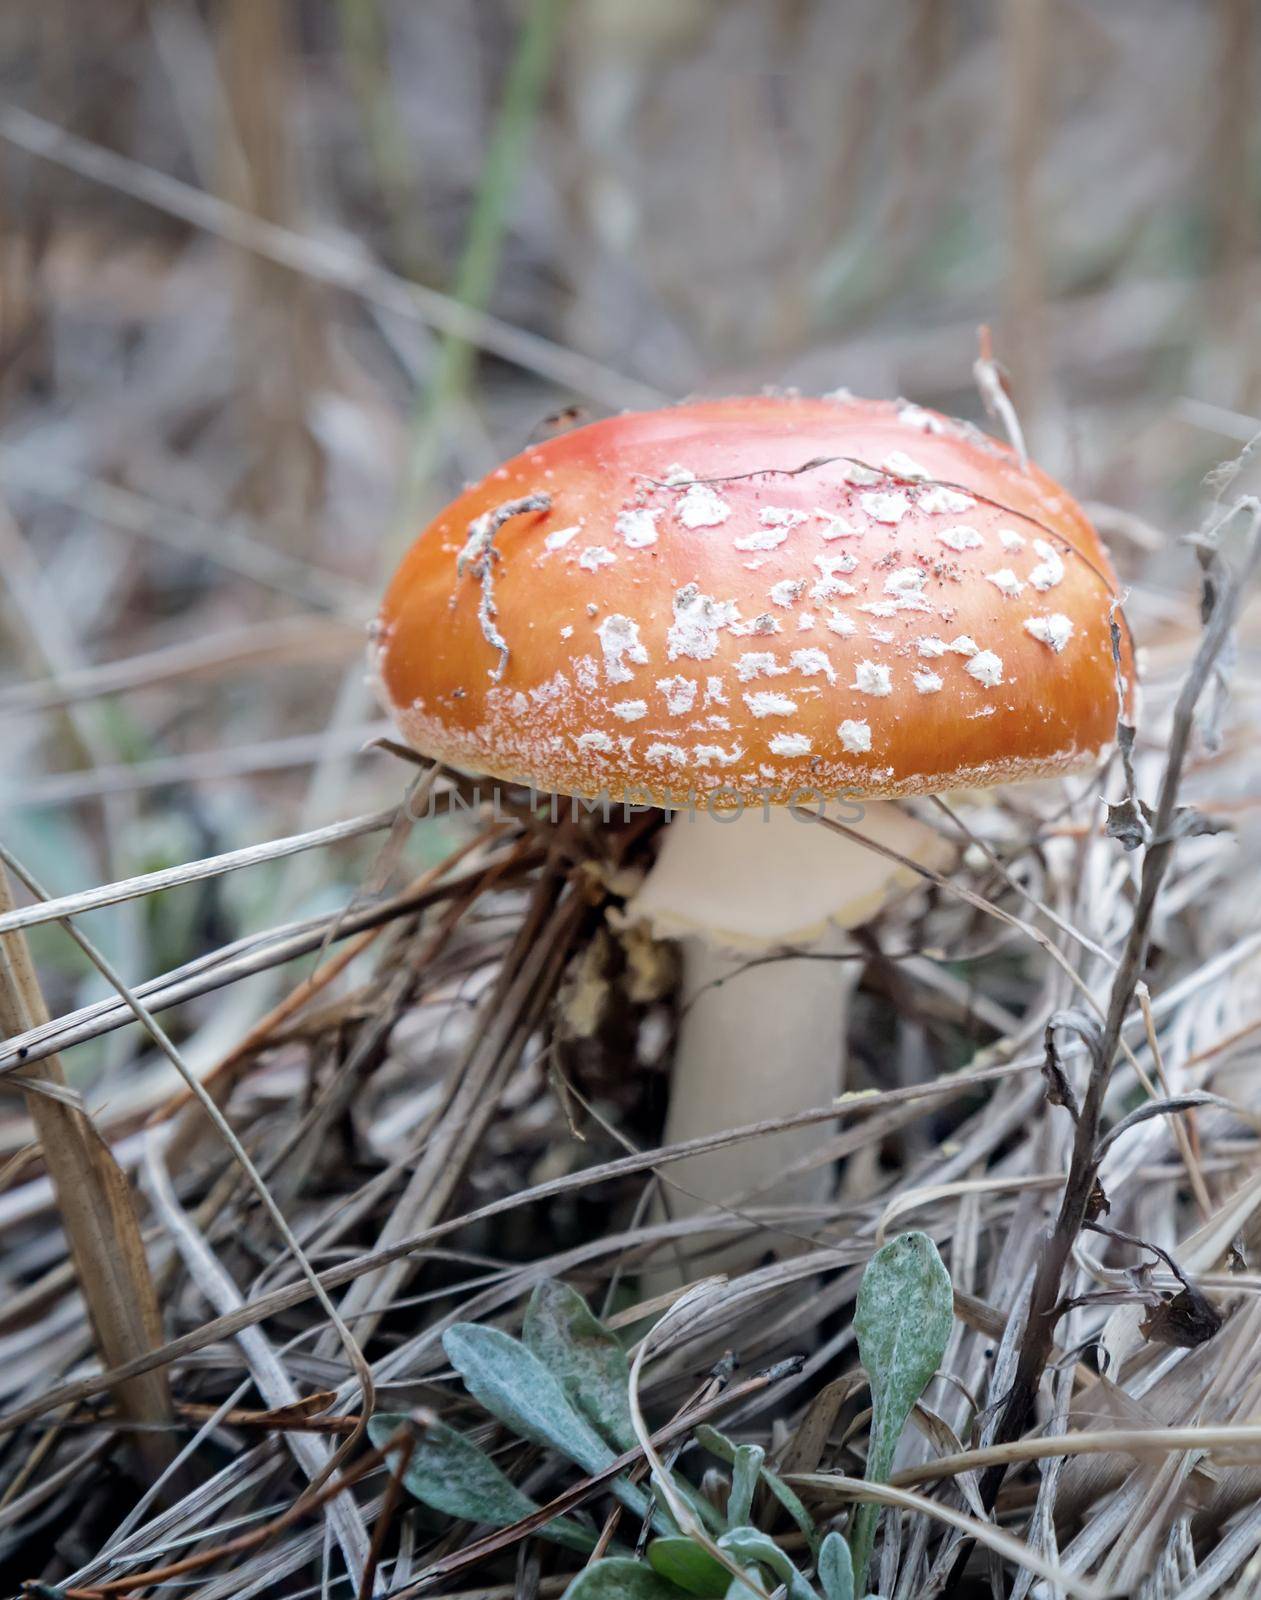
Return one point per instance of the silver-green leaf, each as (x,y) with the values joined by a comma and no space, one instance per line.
(514,1385)
(836,1568)
(740,1590)
(448,1473)
(621,1578)
(719,1445)
(686,1564)
(576,1347)
(902,1320)
(745,1470)
(748,1546)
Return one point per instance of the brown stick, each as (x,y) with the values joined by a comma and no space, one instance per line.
(97,1212)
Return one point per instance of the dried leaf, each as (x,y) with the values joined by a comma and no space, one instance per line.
(1160,1108)
(1098,1205)
(1192,824)
(1183,1320)
(1059,1090)
(1127,822)
(805,1449)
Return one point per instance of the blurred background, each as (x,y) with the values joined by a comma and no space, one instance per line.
(277,276)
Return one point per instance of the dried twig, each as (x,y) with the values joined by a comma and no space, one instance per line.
(1228,590)
(255,953)
(110,894)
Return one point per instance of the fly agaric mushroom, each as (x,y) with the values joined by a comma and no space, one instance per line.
(726,605)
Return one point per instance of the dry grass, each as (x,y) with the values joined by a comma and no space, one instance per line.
(271,287)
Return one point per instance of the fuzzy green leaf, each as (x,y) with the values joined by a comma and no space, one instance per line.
(743,1591)
(450,1474)
(748,1546)
(514,1385)
(707,1514)
(745,1470)
(902,1320)
(836,1568)
(686,1564)
(719,1445)
(621,1578)
(576,1347)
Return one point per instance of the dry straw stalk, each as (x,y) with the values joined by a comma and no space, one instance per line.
(97,1211)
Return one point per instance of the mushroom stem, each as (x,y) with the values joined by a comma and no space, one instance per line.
(761,1038)
(757,1041)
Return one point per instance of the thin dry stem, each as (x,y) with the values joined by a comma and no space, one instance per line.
(98,1212)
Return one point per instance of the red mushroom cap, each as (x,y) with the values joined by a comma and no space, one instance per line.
(757,597)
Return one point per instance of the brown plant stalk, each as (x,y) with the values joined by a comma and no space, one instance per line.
(97,1211)
(1223,591)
